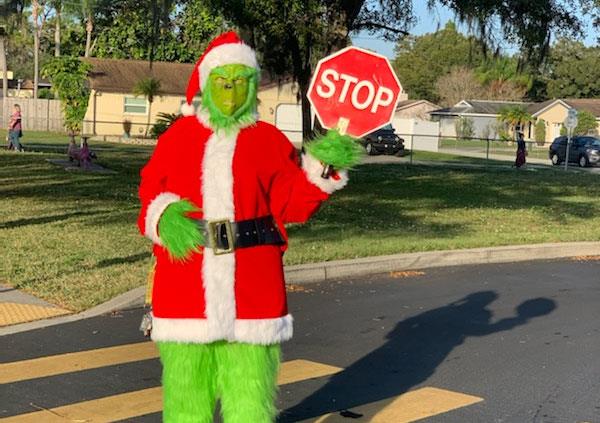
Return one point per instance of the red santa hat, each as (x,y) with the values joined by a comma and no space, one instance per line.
(226,49)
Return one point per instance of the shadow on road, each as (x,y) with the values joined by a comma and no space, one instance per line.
(414,349)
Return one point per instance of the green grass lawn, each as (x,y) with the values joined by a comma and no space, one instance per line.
(71,237)
(495,147)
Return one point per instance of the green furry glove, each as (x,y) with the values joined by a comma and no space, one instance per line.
(340,151)
(179,234)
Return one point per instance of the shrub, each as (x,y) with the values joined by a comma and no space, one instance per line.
(162,123)
(464,127)
(540,132)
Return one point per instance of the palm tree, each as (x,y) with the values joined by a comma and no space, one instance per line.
(515,117)
(57,5)
(88,7)
(38,15)
(149,88)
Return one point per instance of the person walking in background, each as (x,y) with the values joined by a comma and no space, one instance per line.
(15,129)
(521,151)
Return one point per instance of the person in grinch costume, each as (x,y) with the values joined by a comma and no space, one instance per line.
(215,196)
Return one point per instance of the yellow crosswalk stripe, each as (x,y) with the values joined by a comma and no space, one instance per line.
(299,370)
(409,407)
(147,401)
(295,370)
(107,409)
(71,362)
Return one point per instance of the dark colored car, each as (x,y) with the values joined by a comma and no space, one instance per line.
(383,140)
(584,150)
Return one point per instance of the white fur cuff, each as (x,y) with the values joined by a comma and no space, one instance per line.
(155,211)
(313,170)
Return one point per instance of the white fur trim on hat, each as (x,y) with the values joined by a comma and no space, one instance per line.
(155,211)
(313,169)
(188,109)
(226,54)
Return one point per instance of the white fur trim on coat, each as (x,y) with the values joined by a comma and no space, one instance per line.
(226,54)
(204,118)
(155,211)
(313,169)
(251,331)
(218,272)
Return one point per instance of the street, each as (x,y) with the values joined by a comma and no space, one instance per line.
(505,343)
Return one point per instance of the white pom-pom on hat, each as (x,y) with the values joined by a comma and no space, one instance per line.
(188,109)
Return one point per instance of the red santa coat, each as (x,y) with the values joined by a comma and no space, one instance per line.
(237,175)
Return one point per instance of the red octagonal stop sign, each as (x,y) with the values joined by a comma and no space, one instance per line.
(354,90)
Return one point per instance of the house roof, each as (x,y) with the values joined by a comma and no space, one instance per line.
(120,75)
(485,107)
(404,104)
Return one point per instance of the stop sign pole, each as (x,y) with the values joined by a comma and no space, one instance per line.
(354,91)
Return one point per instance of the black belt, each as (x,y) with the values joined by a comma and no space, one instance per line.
(224,236)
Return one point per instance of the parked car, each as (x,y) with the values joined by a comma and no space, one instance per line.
(584,150)
(383,140)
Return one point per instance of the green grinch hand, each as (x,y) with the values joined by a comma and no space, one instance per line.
(180,234)
(335,149)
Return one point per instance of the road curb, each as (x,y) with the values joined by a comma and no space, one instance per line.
(340,269)
(309,273)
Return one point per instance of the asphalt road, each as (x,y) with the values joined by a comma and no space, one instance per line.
(522,338)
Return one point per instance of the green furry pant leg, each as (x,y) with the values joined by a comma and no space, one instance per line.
(243,376)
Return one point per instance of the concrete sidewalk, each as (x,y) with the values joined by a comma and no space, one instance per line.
(19,307)
(326,271)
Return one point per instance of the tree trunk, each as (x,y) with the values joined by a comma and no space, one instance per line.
(36,46)
(57,33)
(89,27)
(4,68)
(306,110)
(149,115)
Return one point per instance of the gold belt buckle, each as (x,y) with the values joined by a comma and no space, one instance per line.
(212,227)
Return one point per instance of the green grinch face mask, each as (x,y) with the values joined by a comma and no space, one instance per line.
(230,95)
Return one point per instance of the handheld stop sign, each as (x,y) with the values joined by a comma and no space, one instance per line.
(355,91)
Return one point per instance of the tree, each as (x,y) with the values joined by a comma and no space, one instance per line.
(57,5)
(586,124)
(88,12)
(38,15)
(4,69)
(182,34)
(149,88)
(459,84)
(529,24)
(574,71)
(540,132)
(421,61)
(68,76)
(464,127)
(291,36)
(515,117)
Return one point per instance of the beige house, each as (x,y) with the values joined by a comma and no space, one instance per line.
(112,102)
(554,113)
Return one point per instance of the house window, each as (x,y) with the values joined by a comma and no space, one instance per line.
(135,105)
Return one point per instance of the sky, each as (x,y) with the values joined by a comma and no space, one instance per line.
(431,21)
